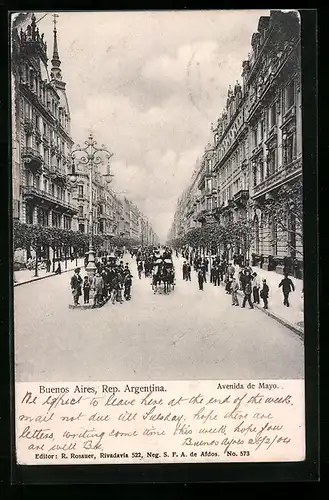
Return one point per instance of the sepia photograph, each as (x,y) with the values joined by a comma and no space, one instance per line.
(157,189)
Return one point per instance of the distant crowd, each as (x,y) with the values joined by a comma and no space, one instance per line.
(224,272)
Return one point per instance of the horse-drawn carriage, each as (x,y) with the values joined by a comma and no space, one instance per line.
(163,276)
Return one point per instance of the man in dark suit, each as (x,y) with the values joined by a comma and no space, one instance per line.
(76,283)
(184,269)
(188,272)
(287,287)
(200,278)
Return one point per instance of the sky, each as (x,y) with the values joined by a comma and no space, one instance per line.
(149,85)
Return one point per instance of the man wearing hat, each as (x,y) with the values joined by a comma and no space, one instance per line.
(76,283)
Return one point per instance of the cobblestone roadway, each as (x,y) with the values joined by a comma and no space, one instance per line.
(188,334)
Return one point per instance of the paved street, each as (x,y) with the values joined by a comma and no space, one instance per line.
(188,334)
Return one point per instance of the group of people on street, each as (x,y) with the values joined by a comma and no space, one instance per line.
(112,280)
(186,271)
(246,280)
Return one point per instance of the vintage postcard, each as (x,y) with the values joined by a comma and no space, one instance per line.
(157,177)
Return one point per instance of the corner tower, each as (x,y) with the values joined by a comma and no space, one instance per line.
(56,72)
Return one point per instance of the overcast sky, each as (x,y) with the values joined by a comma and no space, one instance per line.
(149,85)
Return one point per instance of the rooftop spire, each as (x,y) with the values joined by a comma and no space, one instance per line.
(56,62)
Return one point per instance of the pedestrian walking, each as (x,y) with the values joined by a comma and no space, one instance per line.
(287,287)
(231,269)
(200,279)
(261,261)
(215,275)
(204,271)
(255,288)
(247,295)
(86,290)
(98,286)
(221,271)
(234,292)
(242,280)
(184,269)
(264,293)
(127,286)
(103,273)
(140,269)
(188,272)
(212,274)
(228,281)
(120,288)
(48,265)
(59,269)
(76,282)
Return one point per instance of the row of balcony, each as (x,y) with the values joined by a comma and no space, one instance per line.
(284,174)
(36,99)
(40,196)
(239,200)
(268,82)
(33,160)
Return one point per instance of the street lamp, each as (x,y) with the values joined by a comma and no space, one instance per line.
(89,156)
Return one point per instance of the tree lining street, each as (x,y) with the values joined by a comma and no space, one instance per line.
(188,334)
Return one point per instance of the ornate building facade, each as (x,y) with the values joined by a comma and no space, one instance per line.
(256,147)
(41,131)
(41,147)
(272,80)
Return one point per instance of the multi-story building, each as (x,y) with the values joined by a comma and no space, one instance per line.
(256,147)
(147,236)
(42,141)
(272,80)
(126,216)
(188,207)
(134,226)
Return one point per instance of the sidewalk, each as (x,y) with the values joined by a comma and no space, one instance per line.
(292,317)
(27,276)
(293,314)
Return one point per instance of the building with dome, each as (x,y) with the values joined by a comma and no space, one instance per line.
(41,137)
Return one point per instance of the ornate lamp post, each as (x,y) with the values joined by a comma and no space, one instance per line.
(90,156)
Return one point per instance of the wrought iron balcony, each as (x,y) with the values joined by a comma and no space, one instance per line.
(58,174)
(285,174)
(241,197)
(104,217)
(32,158)
(44,198)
